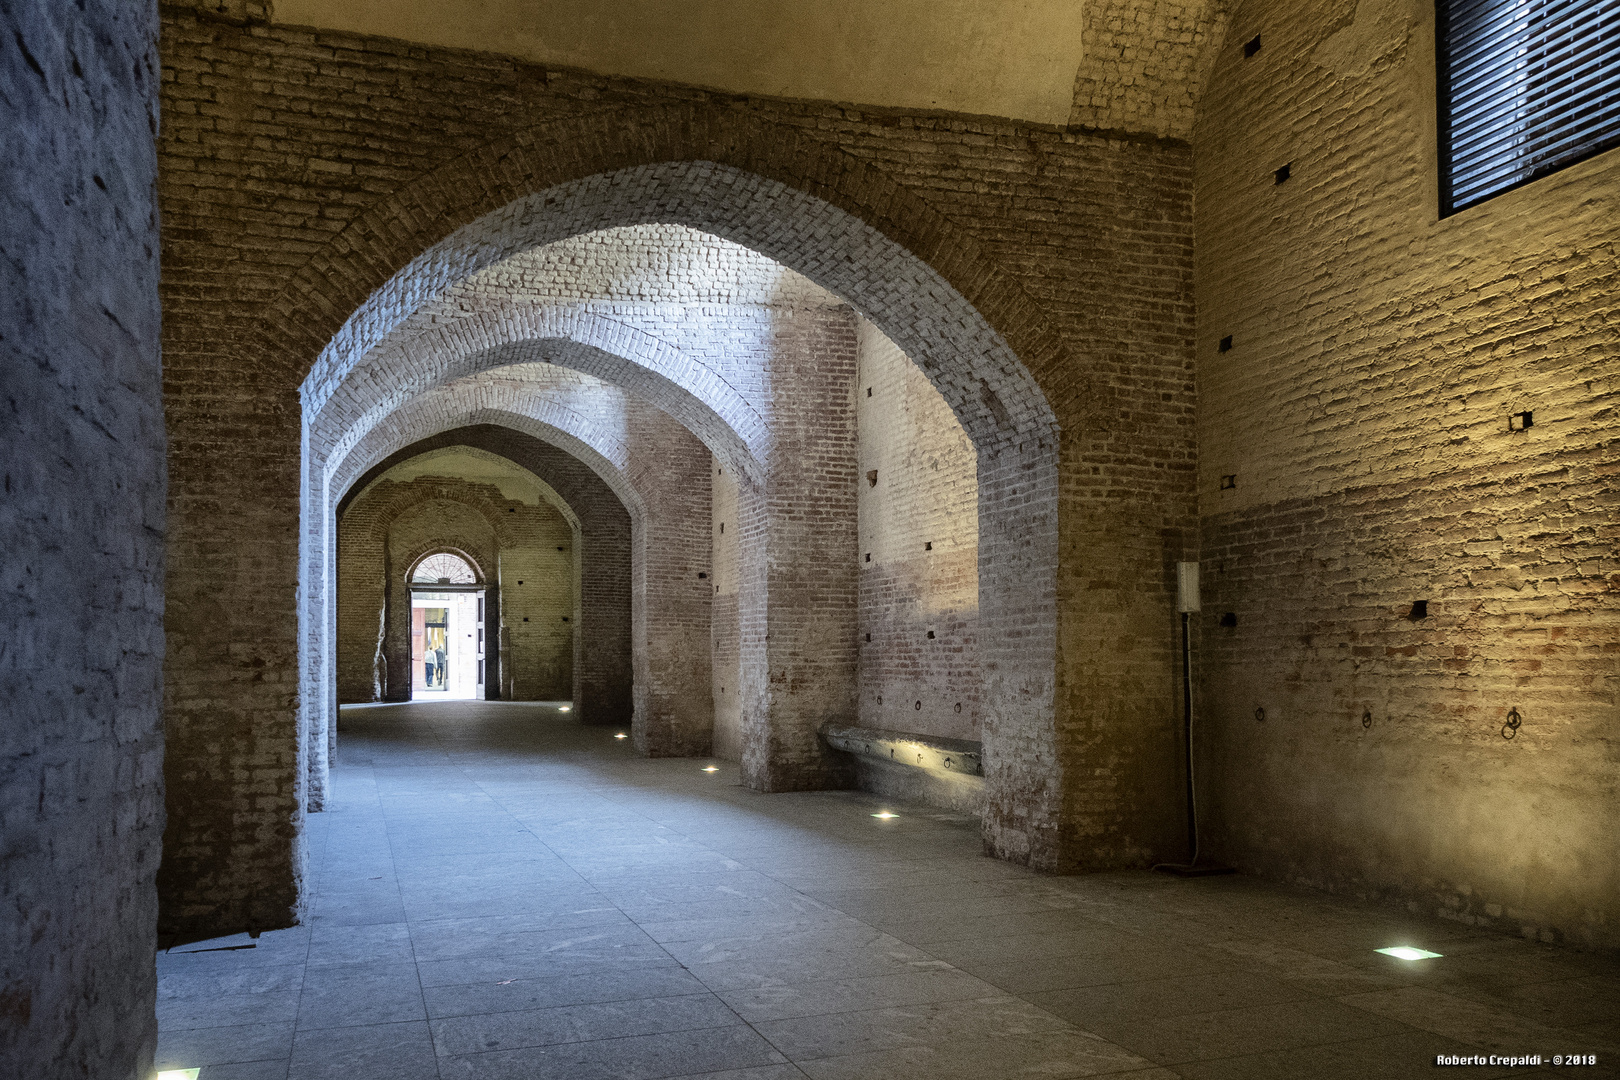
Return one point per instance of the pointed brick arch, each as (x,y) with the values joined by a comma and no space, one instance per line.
(335,282)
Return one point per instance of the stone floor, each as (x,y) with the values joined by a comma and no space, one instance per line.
(500,892)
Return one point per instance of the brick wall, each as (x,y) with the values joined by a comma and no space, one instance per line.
(1040,278)
(1146,64)
(918,509)
(1376,354)
(81,746)
(797,589)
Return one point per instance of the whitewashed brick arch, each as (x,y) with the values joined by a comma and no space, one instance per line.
(605,351)
(522,404)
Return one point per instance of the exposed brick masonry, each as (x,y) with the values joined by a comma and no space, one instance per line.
(1377,353)
(82,514)
(919,552)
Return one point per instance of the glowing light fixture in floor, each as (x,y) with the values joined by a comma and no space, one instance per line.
(885,815)
(621,735)
(1406,952)
(179,1074)
(565,708)
(711,768)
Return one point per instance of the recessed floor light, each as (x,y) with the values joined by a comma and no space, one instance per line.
(885,815)
(1406,952)
(564,708)
(711,768)
(179,1074)
(621,735)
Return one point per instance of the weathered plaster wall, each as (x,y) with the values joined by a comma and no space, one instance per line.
(963,55)
(81,744)
(1123,65)
(918,506)
(1377,353)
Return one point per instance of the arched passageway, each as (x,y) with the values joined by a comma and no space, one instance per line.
(973,365)
(346,395)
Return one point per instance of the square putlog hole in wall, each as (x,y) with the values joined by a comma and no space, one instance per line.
(1281,175)
(1251,47)
(1229,481)
(1225,344)
(1521,421)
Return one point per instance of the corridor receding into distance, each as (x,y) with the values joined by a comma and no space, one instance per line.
(498,891)
(854,539)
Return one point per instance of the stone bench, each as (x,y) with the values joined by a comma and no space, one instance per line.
(948,773)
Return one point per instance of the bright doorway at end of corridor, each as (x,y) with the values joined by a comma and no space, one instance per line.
(447,631)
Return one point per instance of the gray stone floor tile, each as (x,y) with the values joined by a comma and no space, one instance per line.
(227,1010)
(242,977)
(459,1035)
(643,1057)
(375,1052)
(191,1048)
(759,926)
(1172,1040)
(1065,971)
(1045,1055)
(1159,998)
(1405,1056)
(540,964)
(1564,1003)
(760,1072)
(247,1070)
(766,1003)
(499,877)
(629,982)
(349,995)
(797,967)
(1465,1021)
(866,1030)
(371,943)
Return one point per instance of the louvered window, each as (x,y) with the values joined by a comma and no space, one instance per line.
(1527,87)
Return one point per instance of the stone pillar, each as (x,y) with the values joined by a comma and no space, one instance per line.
(672,591)
(798,593)
(82,513)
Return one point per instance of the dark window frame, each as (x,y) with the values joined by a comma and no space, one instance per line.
(1599,117)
